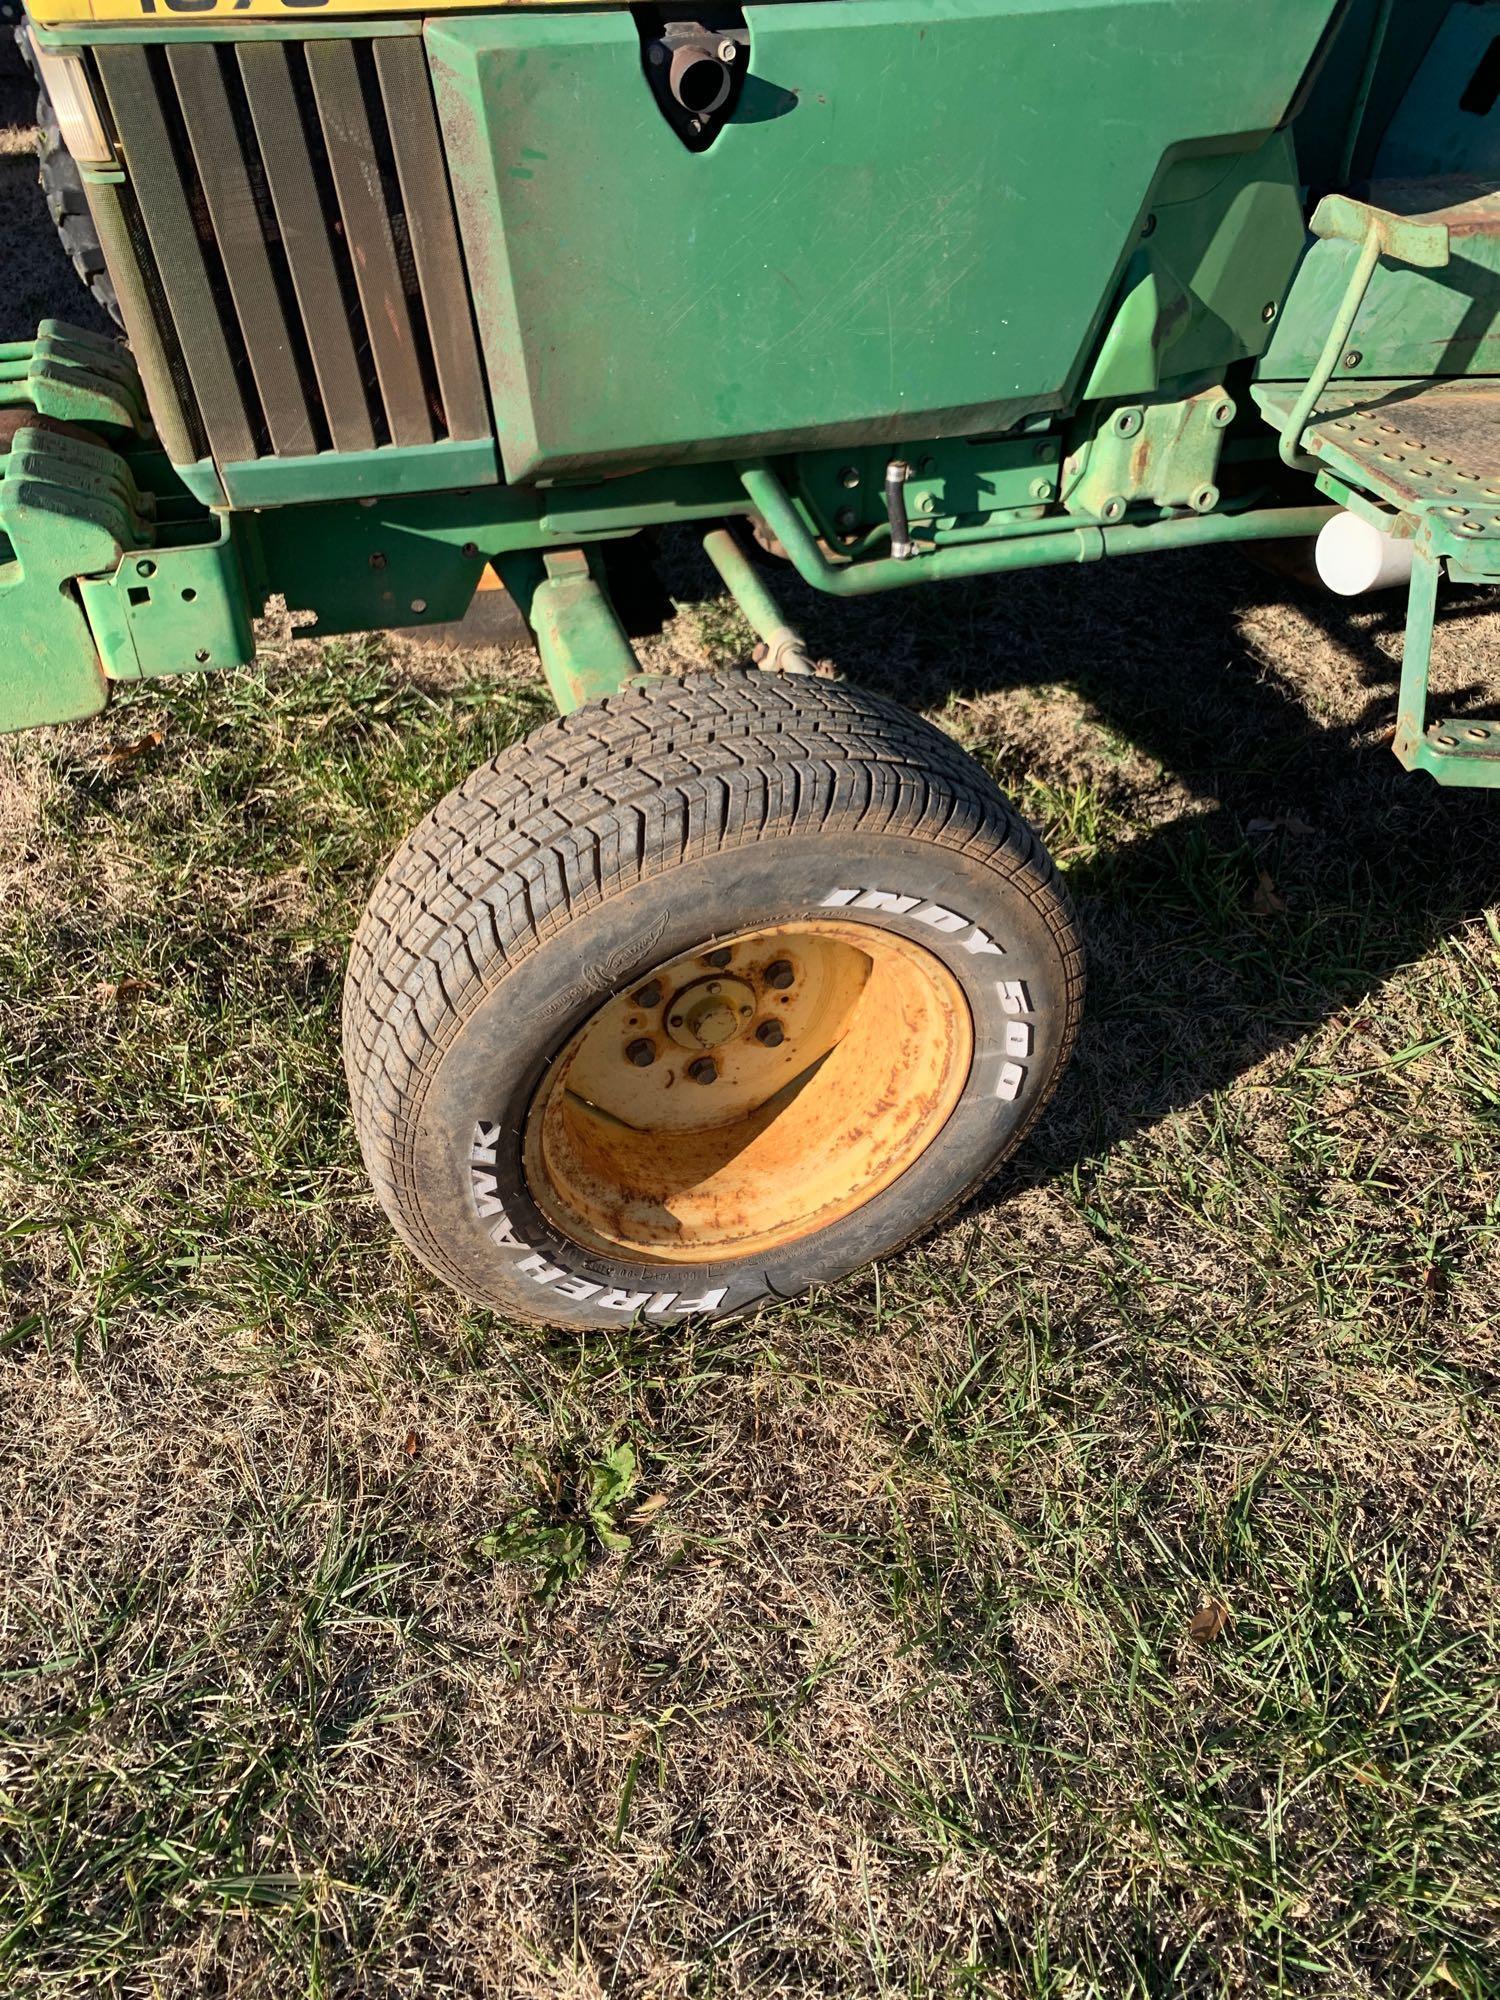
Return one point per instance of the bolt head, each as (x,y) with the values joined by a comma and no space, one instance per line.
(770,1034)
(779,973)
(926,503)
(849,476)
(1353,358)
(642,1053)
(649,995)
(1268,311)
(703,1069)
(719,959)
(728,51)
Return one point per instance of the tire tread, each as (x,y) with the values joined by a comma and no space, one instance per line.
(619,792)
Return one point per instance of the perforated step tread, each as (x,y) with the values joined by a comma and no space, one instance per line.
(1464,736)
(1430,449)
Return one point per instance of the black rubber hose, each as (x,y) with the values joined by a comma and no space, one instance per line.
(896,475)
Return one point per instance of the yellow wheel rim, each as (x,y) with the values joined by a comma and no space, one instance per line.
(749,1093)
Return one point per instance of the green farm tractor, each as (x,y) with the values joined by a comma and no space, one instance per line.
(722,985)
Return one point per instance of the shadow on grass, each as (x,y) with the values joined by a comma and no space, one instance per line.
(1196,971)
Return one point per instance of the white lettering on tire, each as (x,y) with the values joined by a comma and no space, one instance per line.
(535,1266)
(1015,1000)
(979,943)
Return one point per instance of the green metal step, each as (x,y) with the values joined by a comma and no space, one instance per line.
(1468,765)
(1420,460)
(1430,451)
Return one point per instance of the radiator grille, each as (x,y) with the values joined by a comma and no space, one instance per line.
(301,247)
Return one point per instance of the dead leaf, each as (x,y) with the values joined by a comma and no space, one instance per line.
(1208,1622)
(1268,900)
(647,1512)
(412,1444)
(124,752)
(1435,1279)
(111,992)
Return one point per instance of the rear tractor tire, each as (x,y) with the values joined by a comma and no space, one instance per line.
(62,184)
(700,996)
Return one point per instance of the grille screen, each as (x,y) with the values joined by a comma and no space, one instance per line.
(307,266)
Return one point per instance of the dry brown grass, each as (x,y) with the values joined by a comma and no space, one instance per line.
(895,1691)
(316,1680)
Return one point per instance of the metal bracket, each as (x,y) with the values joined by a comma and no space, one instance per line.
(172,610)
(98,599)
(1165,454)
(585,652)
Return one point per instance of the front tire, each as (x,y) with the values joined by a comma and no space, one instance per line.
(703,995)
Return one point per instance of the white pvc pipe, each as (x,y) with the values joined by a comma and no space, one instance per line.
(1354,558)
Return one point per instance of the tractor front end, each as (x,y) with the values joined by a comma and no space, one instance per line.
(408,294)
(917,292)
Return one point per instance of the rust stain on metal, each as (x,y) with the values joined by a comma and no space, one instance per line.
(780,1134)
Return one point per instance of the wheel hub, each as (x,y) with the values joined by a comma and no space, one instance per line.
(749,1093)
(710,1012)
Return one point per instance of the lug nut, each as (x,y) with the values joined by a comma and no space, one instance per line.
(642,1053)
(703,1069)
(770,1034)
(649,996)
(779,973)
(717,959)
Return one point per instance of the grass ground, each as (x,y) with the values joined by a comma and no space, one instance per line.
(1099,1600)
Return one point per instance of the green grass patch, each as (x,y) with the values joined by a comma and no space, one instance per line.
(1099,1599)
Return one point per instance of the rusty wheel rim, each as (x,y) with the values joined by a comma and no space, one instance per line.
(747,1094)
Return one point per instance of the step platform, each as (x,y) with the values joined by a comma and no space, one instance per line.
(1427,450)
(1421,458)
